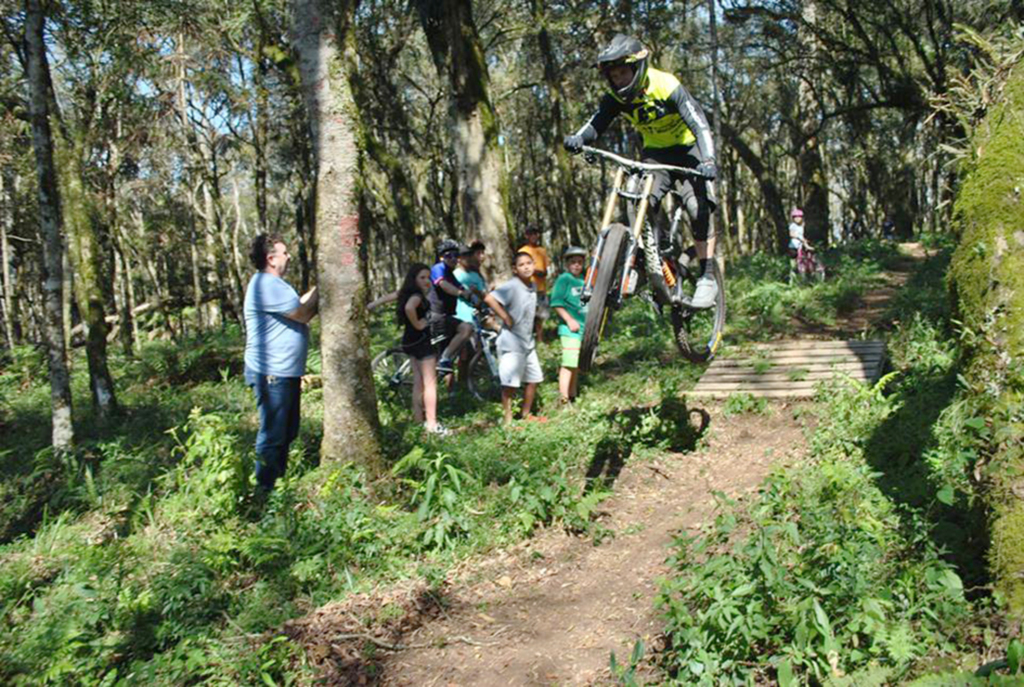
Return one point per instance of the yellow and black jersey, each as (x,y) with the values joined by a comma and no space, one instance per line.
(665,114)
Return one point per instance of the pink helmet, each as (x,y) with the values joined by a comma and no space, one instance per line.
(797,212)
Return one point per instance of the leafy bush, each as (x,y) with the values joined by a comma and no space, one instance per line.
(824,575)
(206,358)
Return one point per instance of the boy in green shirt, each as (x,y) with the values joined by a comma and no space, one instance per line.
(565,301)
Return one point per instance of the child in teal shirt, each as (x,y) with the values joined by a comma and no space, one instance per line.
(565,301)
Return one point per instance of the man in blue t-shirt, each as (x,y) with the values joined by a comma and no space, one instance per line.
(276,343)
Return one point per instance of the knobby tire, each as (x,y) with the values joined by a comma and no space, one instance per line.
(698,333)
(609,274)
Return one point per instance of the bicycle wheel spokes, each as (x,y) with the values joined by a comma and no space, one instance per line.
(698,333)
(392,371)
(483,381)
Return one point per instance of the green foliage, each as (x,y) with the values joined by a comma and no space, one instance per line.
(763,303)
(838,568)
(212,475)
(626,675)
(439,488)
(742,403)
(819,578)
(207,358)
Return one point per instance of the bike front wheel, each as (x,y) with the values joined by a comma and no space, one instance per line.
(392,371)
(698,333)
(609,275)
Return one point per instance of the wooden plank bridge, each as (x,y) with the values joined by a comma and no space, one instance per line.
(790,369)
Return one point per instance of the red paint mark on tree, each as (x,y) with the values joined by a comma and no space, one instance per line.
(349,226)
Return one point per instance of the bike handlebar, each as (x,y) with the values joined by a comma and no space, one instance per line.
(635,165)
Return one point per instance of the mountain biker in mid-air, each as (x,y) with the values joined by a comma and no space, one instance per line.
(675,132)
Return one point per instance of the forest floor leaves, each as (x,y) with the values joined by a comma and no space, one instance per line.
(552,609)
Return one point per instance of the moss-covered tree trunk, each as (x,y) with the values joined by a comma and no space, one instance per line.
(62,434)
(321,30)
(988,278)
(458,55)
(92,285)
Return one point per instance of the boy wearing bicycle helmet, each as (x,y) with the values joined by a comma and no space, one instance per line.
(675,132)
(565,301)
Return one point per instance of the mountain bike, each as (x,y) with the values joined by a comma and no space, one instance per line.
(808,266)
(627,257)
(392,368)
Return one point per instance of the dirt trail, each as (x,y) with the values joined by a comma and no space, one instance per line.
(550,611)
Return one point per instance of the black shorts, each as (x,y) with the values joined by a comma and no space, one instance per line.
(420,348)
(442,330)
(689,188)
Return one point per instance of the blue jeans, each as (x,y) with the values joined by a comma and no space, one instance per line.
(277,399)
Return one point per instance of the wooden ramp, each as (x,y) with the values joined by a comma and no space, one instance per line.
(790,369)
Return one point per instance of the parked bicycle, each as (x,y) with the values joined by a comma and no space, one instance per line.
(627,257)
(393,370)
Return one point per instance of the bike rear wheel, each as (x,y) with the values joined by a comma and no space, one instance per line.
(698,333)
(392,371)
(483,382)
(609,276)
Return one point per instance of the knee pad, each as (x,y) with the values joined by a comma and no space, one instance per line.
(700,219)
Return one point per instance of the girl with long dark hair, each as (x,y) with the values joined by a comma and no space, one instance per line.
(412,313)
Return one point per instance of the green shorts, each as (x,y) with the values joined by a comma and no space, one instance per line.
(570,352)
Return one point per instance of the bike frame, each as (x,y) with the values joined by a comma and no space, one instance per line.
(630,175)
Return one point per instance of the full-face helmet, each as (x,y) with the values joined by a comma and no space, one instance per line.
(624,51)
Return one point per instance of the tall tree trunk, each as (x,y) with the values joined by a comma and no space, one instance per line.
(62,436)
(129,326)
(810,166)
(86,256)
(721,216)
(769,191)
(459,56)
(571,218)
(6,222)
(321,29)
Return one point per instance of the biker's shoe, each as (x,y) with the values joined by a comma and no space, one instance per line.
(445,366)
(705,293)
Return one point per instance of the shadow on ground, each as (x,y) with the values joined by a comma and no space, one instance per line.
(669,425)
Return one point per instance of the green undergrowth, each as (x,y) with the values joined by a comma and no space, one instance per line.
(143,559)
(864,565)
(765,299)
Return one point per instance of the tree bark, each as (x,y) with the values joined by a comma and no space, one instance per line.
(458,55)
(90,292)
(810,166)
(62,434)
(769,190)
(320,31)
(6,222)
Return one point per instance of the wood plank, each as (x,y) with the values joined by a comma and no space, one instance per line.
(812,361)
(764,386)
(803,344)
(814,355)
(810,352)
(813,375)
(782,361)
(761,394)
